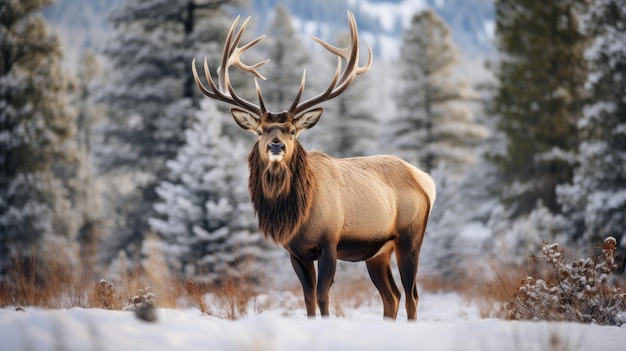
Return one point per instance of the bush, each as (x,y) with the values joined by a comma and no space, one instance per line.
(578,291)
(104,296)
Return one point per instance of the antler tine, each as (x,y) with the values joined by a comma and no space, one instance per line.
(351,53)
(232,44)
(367,66)
(228,48)
(326,93)
(234,53)
(199,84)
(260,95)
(231,56)
(299,94)
(214,92)
(342,81)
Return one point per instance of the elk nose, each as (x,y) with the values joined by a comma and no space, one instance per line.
(276,148)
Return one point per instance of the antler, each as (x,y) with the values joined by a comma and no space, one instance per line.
(231,56)
(339,83)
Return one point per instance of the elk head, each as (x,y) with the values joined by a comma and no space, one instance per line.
(277,132)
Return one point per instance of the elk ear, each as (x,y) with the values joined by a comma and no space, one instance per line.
(245,120)
(308,119)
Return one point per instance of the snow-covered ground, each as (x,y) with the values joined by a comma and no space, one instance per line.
(445,322)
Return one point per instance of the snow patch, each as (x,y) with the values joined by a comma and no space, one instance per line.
(445,322)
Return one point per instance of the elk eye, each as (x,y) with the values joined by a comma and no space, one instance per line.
(259,132)
(292,132)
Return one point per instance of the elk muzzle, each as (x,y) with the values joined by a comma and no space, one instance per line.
(276,151)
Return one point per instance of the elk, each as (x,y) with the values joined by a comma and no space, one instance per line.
(321,208)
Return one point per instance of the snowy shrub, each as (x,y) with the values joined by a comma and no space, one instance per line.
(145,297)
(577,291)
(143,304)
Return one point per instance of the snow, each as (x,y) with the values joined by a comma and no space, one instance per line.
(445,322)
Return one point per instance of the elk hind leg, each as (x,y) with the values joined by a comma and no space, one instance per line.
(407,255)
(379,270)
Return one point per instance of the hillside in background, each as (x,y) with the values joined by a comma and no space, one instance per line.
(83,24)
(382,22)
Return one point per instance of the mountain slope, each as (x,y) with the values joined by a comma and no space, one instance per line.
(83,25)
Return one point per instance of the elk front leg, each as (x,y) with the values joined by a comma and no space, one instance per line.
(306,274)
(326,273)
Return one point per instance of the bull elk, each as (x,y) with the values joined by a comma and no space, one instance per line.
(322,208)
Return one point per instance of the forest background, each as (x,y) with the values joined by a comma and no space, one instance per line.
(108,150)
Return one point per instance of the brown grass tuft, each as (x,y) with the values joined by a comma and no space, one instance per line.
(104,296)
(235,296)
(162,281)
(494,288)
(45,278)
(196,296)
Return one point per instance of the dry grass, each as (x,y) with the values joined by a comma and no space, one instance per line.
(353,293)
(492,288)
(488,283)
(45,279)
(165,285)
(235,298)
(105,296)
(51,280)
(230,299)
(196,296)
(58,284)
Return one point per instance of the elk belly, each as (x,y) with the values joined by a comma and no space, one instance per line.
(355,250)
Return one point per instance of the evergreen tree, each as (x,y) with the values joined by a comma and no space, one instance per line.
(151,96)
(287,59)
(434,125)
(461,224)
(37,124)
(596,200)
(349,126)
(539,99)
(86,189)
(435,129)
(205,217)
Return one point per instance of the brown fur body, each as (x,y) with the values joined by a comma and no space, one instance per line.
(353,209)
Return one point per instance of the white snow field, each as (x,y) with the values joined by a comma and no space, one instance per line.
(445,322)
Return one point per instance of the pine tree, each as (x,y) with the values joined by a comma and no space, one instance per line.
(151,96)
(36,125)
(435,129)
(86,190)
(434,125)
(539,99)
(349,126)
(287,59)
(596,200)
(205,217)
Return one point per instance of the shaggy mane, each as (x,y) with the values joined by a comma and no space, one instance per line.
(281,193)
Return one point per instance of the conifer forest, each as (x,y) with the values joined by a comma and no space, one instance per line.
(110,153)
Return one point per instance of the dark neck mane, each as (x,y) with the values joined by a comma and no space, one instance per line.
(281,194)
